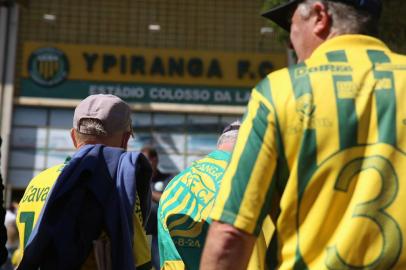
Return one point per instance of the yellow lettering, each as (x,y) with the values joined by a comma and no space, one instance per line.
(384,84)
(346,89)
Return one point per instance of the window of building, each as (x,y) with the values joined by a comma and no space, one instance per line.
(43,139)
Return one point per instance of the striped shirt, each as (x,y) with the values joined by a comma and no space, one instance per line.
(183,215)
(322,149)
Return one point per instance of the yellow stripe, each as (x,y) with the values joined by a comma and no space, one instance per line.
(141,252)
(194,232)
(183,219)
(174,198)
(268,229)
(177,209)
(177,222)
(325,124)
(173,265)
(289,121)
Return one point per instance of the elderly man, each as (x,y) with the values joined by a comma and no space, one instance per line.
(186,204)
(323,150)
(90,211)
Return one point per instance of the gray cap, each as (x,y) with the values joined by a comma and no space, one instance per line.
(112,112)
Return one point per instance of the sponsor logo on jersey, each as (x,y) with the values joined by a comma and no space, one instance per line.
(198,188)
(305,109)
(36,194)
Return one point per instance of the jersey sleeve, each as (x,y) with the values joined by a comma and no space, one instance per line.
(248,184)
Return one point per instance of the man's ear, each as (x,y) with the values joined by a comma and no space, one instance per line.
(73,137)
(124,140)
(322,20)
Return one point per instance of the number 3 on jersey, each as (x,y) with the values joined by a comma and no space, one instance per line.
(360,207)
(373,210)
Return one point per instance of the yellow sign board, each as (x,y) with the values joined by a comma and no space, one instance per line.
(146,65)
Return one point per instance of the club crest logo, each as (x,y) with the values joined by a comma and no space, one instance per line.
(48,66)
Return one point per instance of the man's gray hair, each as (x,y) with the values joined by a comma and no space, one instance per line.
(229,136)
(94,127)
(346,19)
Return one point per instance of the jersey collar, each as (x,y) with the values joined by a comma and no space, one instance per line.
(219,154)
(349,41)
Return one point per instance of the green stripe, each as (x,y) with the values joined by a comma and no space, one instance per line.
(307,160)
(308,153)
(279,181)
(272,253)
(270,192)
(385,100)
(300,264)
(300,80)
(264,87)
(280,178)
(347,115)
(246,164)
(281,174)
(282,168)
(337,56)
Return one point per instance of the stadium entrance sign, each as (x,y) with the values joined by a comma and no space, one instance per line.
(143,74)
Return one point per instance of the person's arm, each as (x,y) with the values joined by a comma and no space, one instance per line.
(226,248)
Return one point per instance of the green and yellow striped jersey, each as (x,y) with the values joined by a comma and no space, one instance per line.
(322,149)
(183,214)
(31,206)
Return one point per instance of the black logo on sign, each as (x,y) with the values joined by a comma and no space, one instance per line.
(48,66)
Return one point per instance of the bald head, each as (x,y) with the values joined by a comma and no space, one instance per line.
(228,138)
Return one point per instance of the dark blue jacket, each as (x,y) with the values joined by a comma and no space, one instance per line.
(96,191)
